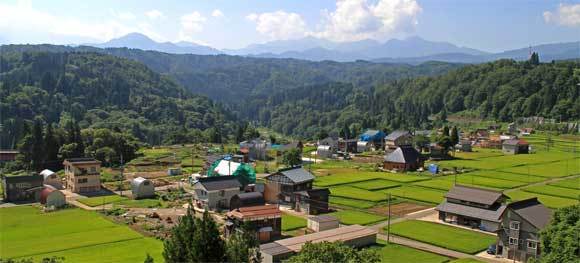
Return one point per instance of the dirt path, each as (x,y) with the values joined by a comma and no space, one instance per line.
(551,180)
(410,216)
(90,208)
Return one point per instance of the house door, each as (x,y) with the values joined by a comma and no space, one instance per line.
(264,236)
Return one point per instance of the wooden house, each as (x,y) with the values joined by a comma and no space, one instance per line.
(405,158)
(214,193)
(264,220)
(397,139)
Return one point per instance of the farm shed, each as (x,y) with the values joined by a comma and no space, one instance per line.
(322,223)
(326,151)
(515,146)
(404,158)
(22,188)
(265,220)
(51,178)
(354,235)
(142,188)
(247,199)
(51,197)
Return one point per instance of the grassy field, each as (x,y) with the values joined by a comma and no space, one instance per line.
(393,253)
(75,234)
(551,170)
(523,178)
(507,161)
(141,203)
(449,237)
(100,200)
(348,176)
(554,191)
(375,184)
(573,183)
(476,180)
(290,222)
(351,202)
(357,193)
(547,200)
(466,260)
(417,193)
(352,217)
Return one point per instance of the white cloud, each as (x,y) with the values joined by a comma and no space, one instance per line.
(279,24)
(190,25)
(22,20)
(566,15)
(125,15)
(358,19)
(217,13)
(154,14)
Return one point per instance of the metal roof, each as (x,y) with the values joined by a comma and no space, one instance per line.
(82,160)
(474,195)
(403,155)
(137,181)
(256,212)
(493,214)
(515,142)
(46,173)
(532,211)
(323,218)
(297,174)
(219,182)
(295,244)
(396,134)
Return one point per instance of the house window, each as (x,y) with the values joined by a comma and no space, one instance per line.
(513,241)
(146,183)
(515,225)
(93,169)
(82,180)
(532,244)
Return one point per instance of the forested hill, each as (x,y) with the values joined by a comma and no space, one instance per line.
(501,90)
(236,79)
(100,91)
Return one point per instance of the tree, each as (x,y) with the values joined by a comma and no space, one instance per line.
(51,147)
(534,59)
(207,244)
(333,252)
(292,157)
(243,246)
(445,131)
(421,141)
(37,151)
(148,259)
(559,240)
(177,248)
(454,136)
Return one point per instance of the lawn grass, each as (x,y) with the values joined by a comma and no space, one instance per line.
(290,222)
(71,233)
(572,183)
(375,184)
(466,260)
(357,193)
(341,201)
(100,200)
(393,253)
(547,200)
(449,237)
(476,180)
(417,193)
(549,170)
(353,217)
(554,191)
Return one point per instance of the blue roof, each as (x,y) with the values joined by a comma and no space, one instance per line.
(372,135)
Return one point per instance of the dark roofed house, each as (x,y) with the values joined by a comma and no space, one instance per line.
(215,192)
(264,220)
(247,199)
(398,138)
(404,158)
(312,201)
(25,188)
(521,222)
(8,155)
(474,207)
(515,146)
(288,186)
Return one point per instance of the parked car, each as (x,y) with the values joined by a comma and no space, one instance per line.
(491,250)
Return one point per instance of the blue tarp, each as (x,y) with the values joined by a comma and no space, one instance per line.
(433,168)
(372,135)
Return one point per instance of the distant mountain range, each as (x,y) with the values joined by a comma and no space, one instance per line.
(412,50)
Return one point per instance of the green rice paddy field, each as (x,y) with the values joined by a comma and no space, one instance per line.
(77,235)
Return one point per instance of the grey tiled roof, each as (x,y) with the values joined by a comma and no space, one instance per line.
(474,195)
(532,211)
(219,182)
(395,134)
(474,212)
(403,155)
(297,175)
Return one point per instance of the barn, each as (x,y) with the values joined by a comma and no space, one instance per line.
(51,197)
(142,188)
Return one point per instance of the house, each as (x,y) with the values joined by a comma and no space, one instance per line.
(209,162)
(515,146)
(82,175)
(398,138)
(474,207)
(264,220)
(312,201)
(257,148)
(375,139)
(526,131)
(347,145)
(293,145)
(247,199)
(293,186)
(52,197)
(330,141)
(437,152)
(51,178)
(322,223)
(353,235)
(215,192)
(8,155)
(521,222)
(464,146)
(480,134)
(22,188)
(512,128)
(142,188)
(326,151)
(404,158)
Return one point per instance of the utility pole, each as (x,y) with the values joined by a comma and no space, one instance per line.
(389,218)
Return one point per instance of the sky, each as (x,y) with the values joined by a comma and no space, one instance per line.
(488,25)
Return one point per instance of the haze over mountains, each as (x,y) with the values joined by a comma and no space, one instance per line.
(412,50)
